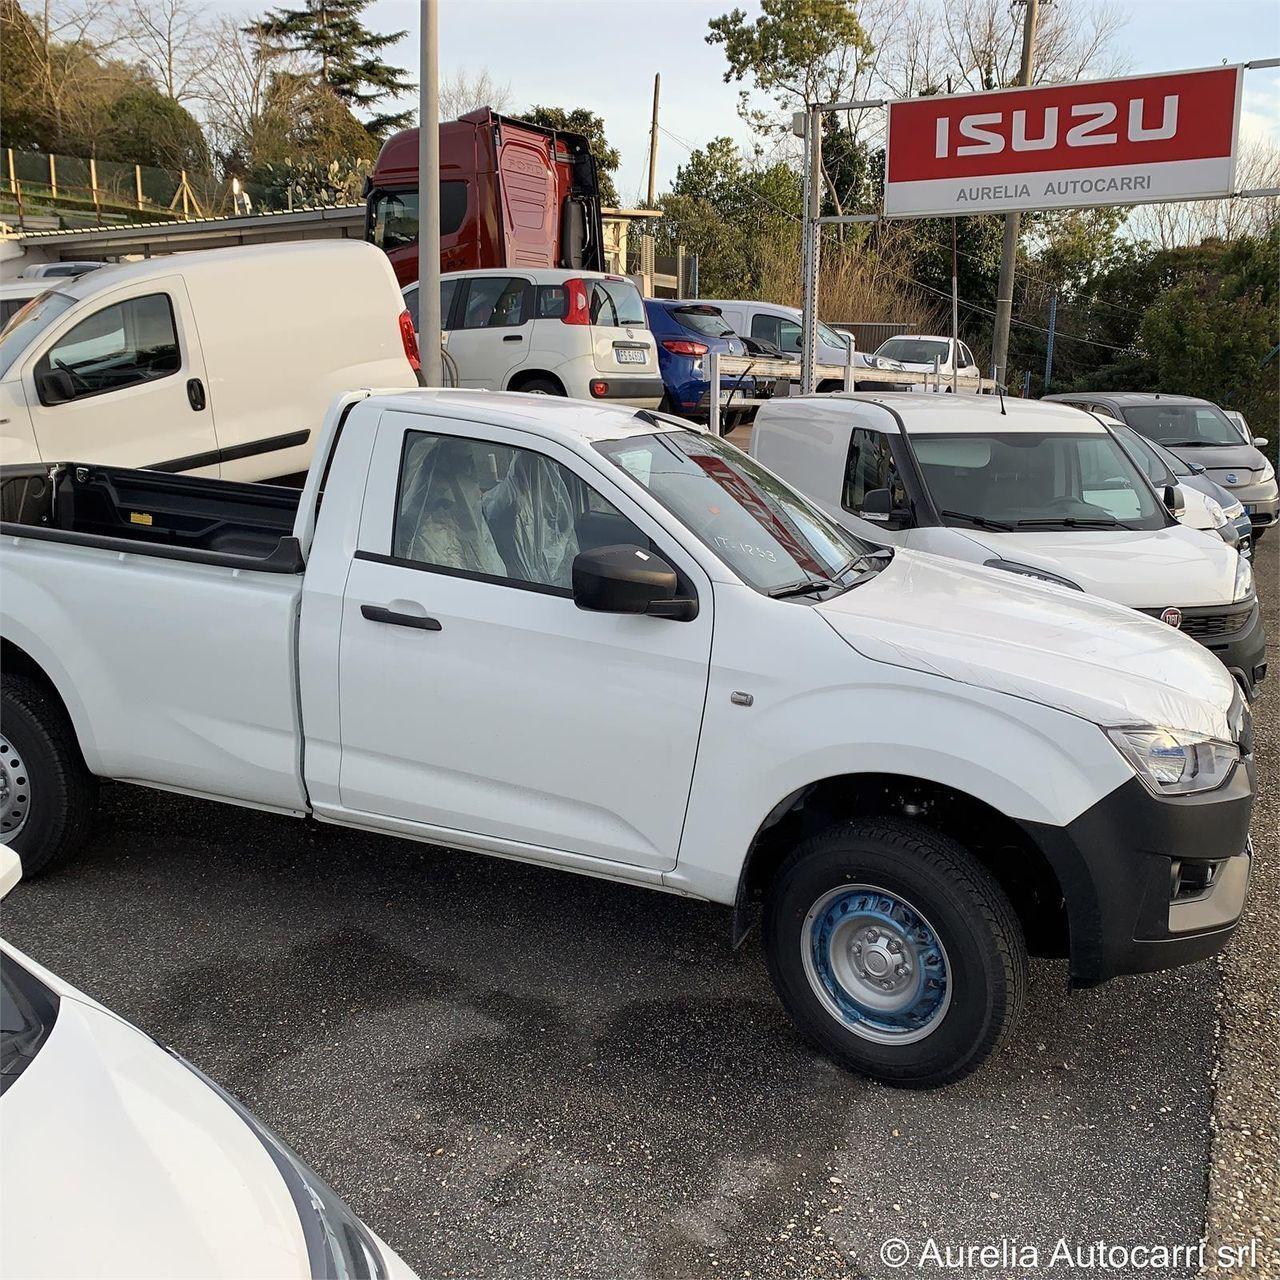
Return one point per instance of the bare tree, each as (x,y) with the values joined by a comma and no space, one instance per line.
(461,92)
(166,38)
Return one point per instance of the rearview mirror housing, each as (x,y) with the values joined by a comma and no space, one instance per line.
(1175,500)
(877,505)
(629,579)
(54,386)
(1260,442)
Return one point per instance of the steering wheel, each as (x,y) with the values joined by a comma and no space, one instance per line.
(84,384)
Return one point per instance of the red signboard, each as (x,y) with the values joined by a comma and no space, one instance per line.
(1142,138)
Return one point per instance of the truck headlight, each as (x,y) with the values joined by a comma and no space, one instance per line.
(1244,580)
(1027,571)
(1176,762)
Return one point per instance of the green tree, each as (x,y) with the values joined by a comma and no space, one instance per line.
(580,120)
(143,126)
(345,52)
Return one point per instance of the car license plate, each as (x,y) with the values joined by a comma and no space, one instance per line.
(631,355)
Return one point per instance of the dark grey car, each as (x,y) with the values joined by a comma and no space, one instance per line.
(1198,432)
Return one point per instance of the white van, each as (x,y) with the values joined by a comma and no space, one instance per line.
(582,334)
(217,363)
(1020,485)
(779,326)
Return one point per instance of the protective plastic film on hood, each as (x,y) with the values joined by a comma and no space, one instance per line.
(531,519)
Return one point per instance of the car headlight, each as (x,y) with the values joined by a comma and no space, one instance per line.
(339,1245)
(1268,472)
(1244,580)
(1176,762)
(1233,510)
(1027,571)
(1216,513)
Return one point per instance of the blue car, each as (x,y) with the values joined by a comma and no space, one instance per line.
(686,334)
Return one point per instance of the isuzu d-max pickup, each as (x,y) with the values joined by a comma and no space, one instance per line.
(591,638)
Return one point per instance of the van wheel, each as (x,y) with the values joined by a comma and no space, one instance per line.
(541,387)
(47,796)
(895,951)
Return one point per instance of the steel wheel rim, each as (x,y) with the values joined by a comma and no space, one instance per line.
(876,963)
(15,791)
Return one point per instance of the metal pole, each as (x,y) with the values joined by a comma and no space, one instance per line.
(1004,291)
(429,336)
(813,205)
(647,255)
(955,311)
(713,395)
(1048,355)
(137,183)
(693,275)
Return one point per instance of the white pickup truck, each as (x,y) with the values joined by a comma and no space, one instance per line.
(590,638)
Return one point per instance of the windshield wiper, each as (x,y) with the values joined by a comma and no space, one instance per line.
(1074,522)
(981,521)
(807,587)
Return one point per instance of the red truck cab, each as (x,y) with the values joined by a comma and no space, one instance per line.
(511,194)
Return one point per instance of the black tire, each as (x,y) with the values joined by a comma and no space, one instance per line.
(981,936)
(60,792)
(542,387)
(1257,535)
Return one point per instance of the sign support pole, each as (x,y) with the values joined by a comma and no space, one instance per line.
(1004,291)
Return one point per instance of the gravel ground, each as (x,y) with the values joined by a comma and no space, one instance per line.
(1244,1178)
(512,1072)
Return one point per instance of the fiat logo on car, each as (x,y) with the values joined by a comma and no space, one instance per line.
(1172,615)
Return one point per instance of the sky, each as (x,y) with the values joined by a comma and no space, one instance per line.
(603,54)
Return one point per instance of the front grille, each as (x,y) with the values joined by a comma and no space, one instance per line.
(1207,625)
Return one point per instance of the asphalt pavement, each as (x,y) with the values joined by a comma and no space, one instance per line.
(512,1072)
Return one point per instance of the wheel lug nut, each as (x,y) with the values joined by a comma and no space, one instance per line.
(872,936)
(895,946)
(901,971)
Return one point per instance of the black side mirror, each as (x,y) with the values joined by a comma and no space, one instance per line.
(628,579)
(877,505)
(54,386)
(1174,500)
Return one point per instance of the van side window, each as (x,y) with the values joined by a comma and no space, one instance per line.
(126,343)
(514,517)
(789,335)
(765,328)
(495,302)
(870,466)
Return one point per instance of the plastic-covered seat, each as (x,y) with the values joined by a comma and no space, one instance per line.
(531,518)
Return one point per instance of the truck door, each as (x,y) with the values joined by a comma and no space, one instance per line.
(528,191)
(125,384)
(474,695)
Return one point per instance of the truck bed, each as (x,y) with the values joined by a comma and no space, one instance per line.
(245,526)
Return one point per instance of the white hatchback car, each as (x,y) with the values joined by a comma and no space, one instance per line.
(121,1159)
(558,333)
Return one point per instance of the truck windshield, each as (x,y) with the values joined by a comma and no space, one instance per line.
(1036,480)
(1183,425)
(915,350)
(27,324)
(764,531)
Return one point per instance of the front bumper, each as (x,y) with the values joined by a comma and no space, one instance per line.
(1260,502)
(1135,875)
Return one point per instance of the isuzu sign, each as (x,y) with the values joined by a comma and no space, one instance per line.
(1143,138)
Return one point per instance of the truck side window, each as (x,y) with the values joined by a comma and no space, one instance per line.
(121,345)
(870,466)
(505,515)
(395,215)
(495,302)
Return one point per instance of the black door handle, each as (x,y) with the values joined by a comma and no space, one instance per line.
(376,613)
(195,393)
(513,337)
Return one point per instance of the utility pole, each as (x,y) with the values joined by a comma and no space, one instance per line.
(813,246)
(429,195)
(1053,329)
(1004,291)
(647,262)
(955,310)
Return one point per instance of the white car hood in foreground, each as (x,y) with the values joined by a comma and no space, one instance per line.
(1148,569)
(1052,645)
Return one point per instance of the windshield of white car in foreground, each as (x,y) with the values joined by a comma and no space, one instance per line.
(764,531)
(1183,425)
(1030,480)
(28,323)
(914,350)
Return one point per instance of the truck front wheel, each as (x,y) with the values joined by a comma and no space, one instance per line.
(47,796)
(895,951)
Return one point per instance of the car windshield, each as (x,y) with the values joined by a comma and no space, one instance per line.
(1036,480)
(1183,425)
(704,320)
(764,531)
(24,327)
(914,350)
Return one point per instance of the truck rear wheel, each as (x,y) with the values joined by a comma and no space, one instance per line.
(47,796)
(895,951)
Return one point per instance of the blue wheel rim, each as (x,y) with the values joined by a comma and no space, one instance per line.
(876,963)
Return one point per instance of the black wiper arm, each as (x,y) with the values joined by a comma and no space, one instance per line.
(1073,522)
(981,521)
(807,587)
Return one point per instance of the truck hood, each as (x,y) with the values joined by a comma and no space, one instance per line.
(1148,569)
(1051,645)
